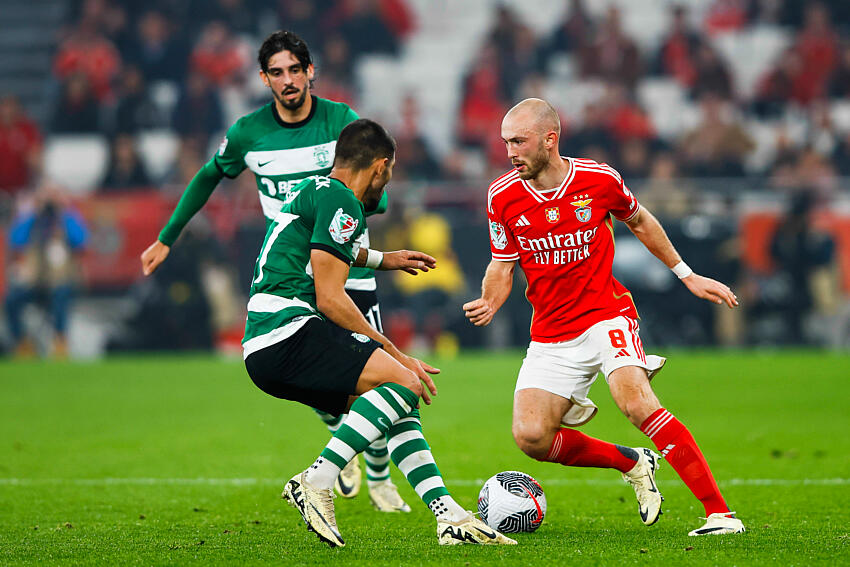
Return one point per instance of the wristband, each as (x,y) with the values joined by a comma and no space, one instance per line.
(374,258)
(682,270)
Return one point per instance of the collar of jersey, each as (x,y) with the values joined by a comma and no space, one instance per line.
(552,194)
(300,123)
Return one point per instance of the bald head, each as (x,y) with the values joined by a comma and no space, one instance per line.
(531,130)
(533,115)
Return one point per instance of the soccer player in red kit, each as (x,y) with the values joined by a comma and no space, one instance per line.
(553,215)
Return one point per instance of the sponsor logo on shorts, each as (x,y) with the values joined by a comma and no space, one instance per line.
(360,337)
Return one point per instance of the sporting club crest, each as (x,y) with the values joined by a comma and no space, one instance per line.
(498,235)
(342,227)
(322,156)
(553,214)
(583,211)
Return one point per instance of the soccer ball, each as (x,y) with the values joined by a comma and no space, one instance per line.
(512,502)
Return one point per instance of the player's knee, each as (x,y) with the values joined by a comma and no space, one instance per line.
(637,409)
(533,439)
(409,380)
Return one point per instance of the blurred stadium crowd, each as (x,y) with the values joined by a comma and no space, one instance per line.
(730,119)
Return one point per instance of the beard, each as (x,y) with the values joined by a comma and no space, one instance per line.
(291,105)
(535,164)
(373,199)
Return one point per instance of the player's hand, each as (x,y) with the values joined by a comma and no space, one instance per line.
(409,261)
(155,255)
(422,370)
(418,367)
(479,312)
(711,290)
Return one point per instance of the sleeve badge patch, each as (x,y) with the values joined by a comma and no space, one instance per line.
(342,226)
(498,235)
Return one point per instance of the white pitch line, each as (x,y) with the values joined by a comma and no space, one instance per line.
(202,481)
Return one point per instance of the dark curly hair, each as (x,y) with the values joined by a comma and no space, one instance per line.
(284,40)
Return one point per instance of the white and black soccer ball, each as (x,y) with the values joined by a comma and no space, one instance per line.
(512,502)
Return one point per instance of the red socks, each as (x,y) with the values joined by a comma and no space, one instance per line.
(680,450)
(575,449)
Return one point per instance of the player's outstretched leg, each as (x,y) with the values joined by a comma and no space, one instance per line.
(682,452)
(411,453)
(638,466)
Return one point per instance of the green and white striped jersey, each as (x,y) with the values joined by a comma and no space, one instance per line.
(282,154)
(320,213)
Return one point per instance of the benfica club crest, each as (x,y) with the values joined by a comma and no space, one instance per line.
(498,236)
(582,209)
(553,214)
(342,227)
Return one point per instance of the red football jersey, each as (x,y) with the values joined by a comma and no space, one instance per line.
(564,241)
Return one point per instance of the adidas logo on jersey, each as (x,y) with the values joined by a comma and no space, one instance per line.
(522,222)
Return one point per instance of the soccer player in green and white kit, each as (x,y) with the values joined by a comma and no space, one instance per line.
(306,340)
(291,138)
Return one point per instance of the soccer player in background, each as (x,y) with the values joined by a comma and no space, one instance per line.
(287,140)
(554,215)
(306,340)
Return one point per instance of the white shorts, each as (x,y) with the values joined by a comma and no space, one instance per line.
(568,369)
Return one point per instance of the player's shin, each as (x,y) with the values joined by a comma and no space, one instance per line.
(331,421)
(574,449)
(412,455)
(679,448)
(369,418)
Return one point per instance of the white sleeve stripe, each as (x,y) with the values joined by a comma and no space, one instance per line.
(503,178)
(583,162)
(631,216)
(506,258)
(594,170)
(491,196)
(496,187)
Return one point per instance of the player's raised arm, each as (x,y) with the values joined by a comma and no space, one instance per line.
(495,289)
(649,231)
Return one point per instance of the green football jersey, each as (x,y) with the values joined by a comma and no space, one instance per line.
(320,213)
(282,154)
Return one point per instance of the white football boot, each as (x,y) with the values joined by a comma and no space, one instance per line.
(720,523)
(470,530)
(642,479)
(385,497)
(349,480)
(316,507)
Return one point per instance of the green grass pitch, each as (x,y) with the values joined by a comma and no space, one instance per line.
(180,461)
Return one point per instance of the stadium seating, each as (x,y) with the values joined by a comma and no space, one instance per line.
(77,162)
